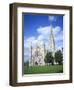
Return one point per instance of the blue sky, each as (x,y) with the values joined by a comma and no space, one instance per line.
(37,28)
(33,21)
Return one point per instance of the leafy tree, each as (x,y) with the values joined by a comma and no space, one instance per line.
(59,57)
(26,63)
(49,58)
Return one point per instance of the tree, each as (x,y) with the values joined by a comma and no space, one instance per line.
(49,58)
(26,63)
(59,57)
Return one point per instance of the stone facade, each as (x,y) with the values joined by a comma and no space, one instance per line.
(37,53)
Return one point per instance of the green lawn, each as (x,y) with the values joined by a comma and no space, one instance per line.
(43,69)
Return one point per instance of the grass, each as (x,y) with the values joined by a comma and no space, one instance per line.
(43,69)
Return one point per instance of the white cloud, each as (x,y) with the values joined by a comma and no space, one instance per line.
(32,40)
(59,45)
(59,37)
(56,30)
(46,30)
(43,36)
(43,30)
(29,41)
(40,37)
(44,33)
(52,18)
(26,51)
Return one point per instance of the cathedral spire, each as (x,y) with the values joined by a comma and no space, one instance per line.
(51,41)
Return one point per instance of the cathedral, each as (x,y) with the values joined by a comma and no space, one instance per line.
(37,53)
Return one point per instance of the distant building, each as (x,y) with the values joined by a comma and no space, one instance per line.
(37,53)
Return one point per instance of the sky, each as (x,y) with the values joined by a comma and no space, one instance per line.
(37,29)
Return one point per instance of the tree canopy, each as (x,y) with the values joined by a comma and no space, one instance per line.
(49,58)
(59,57)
